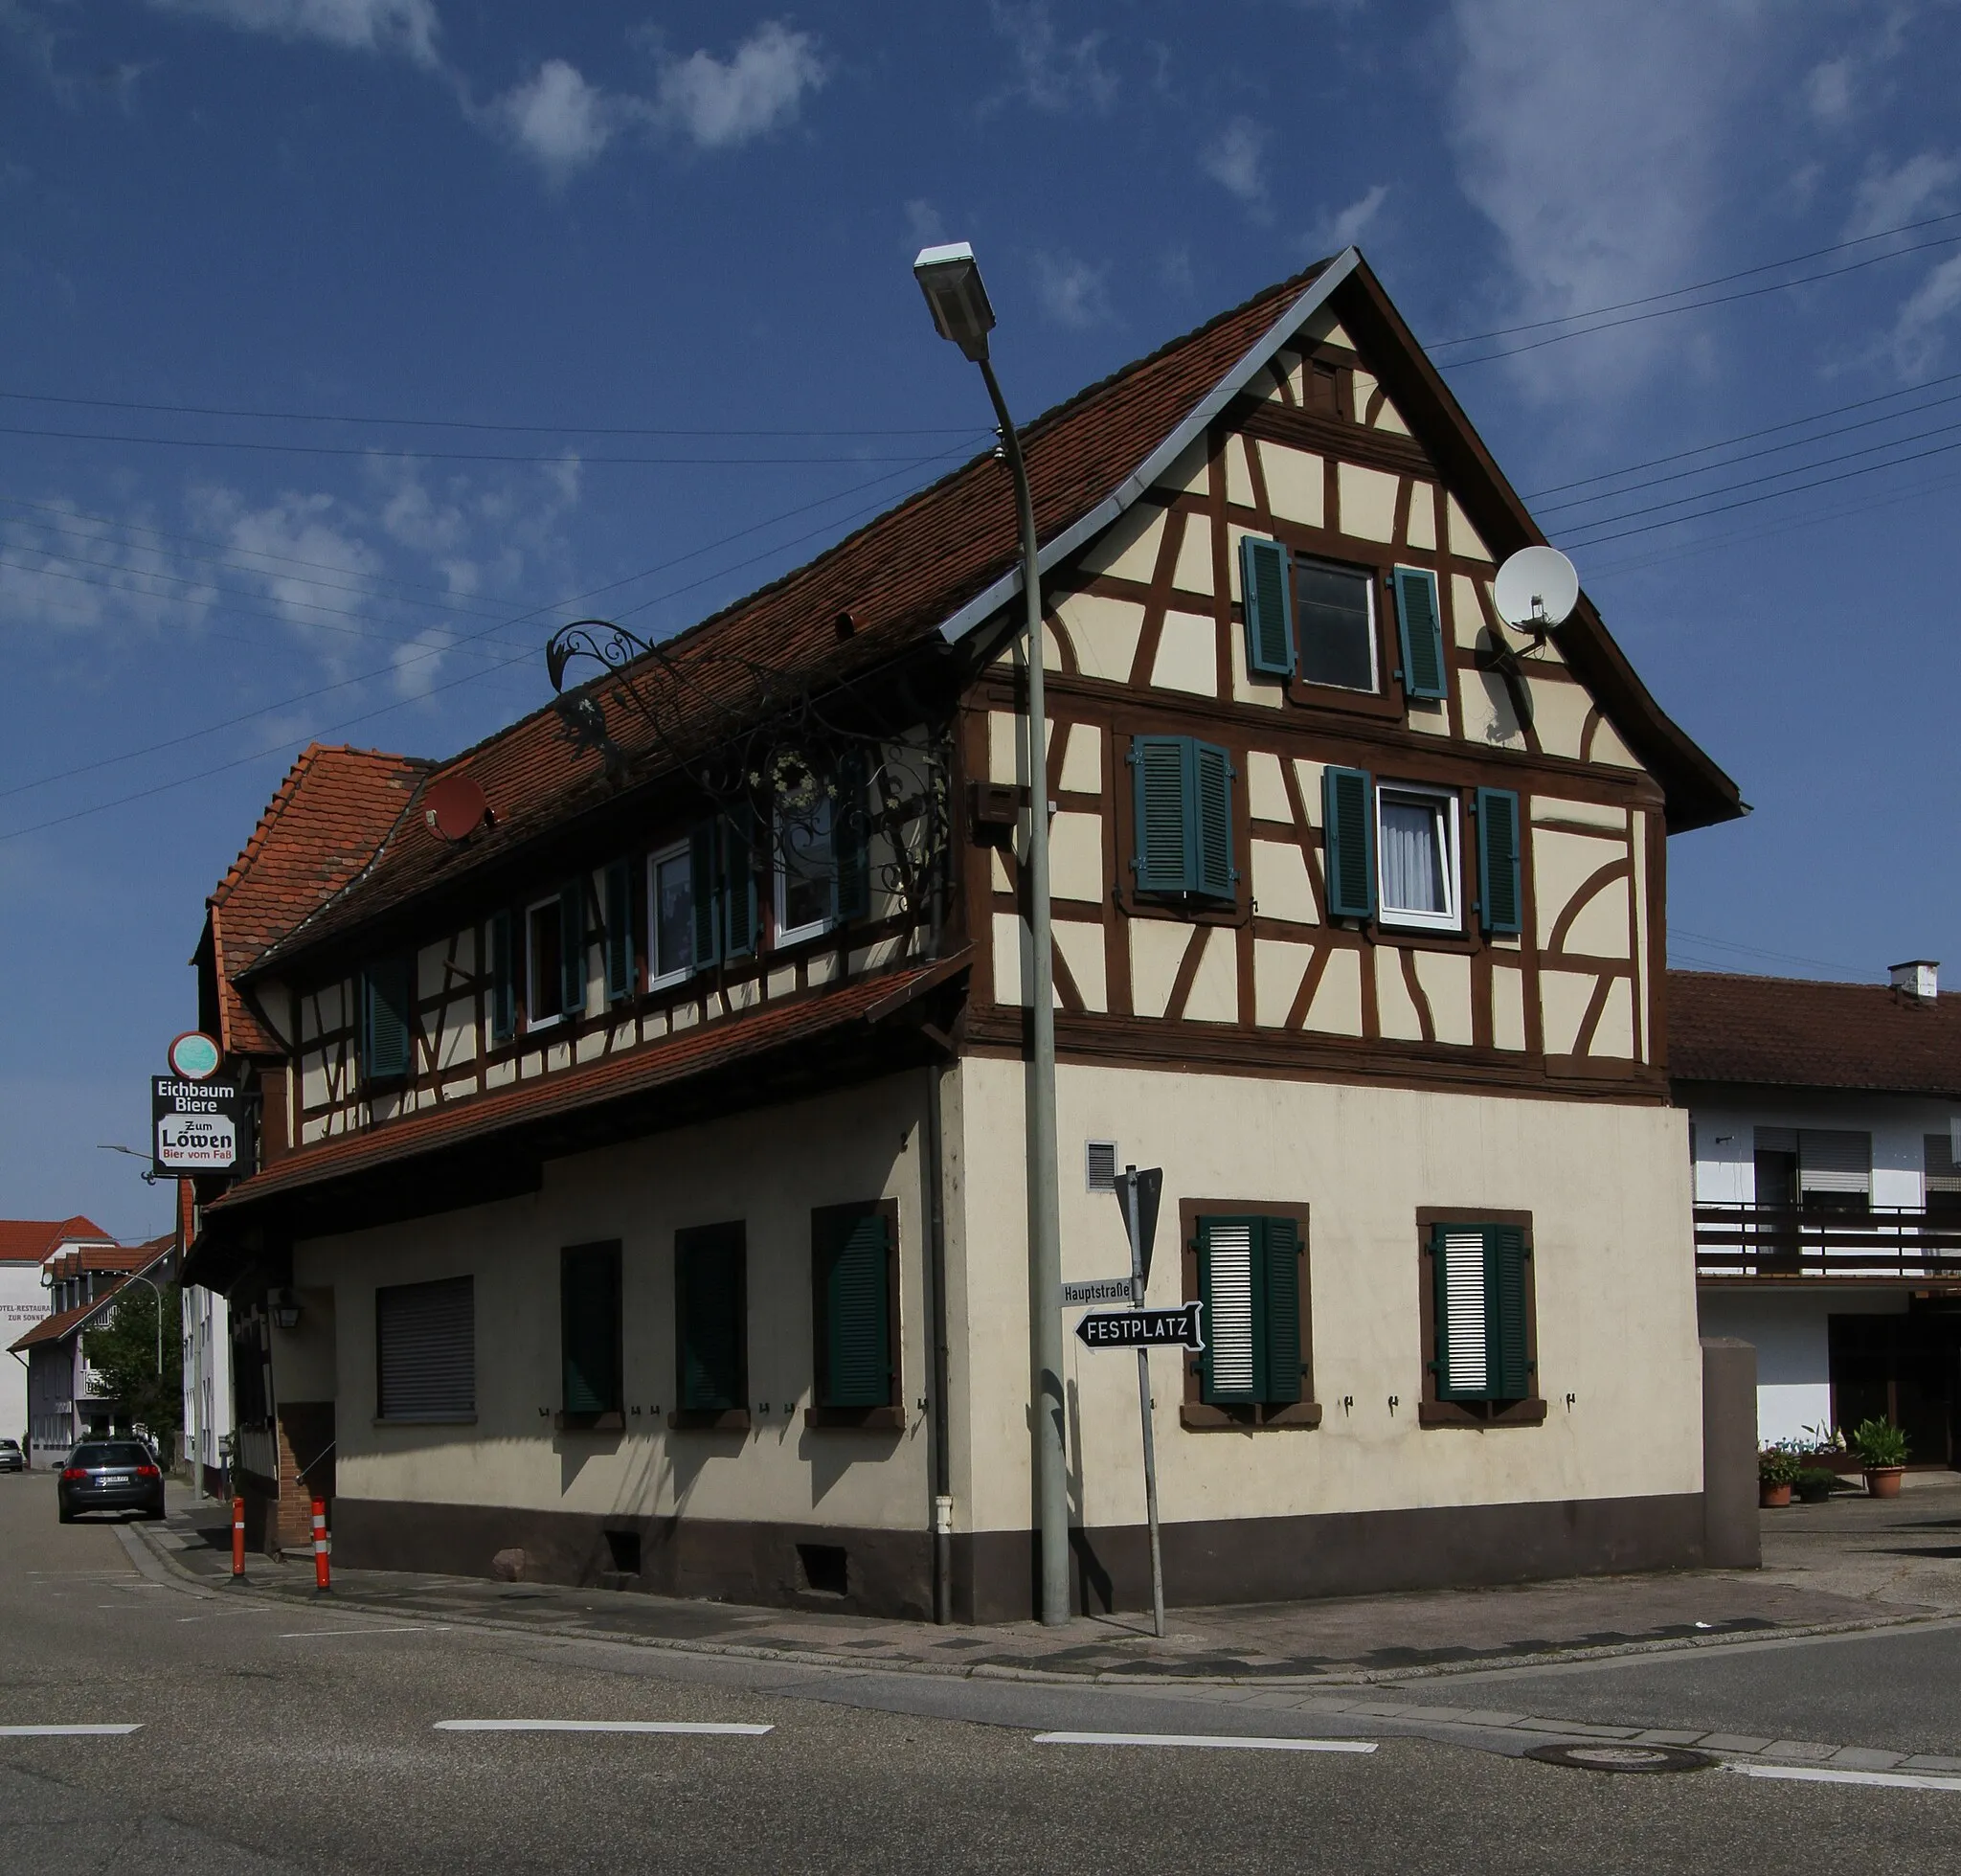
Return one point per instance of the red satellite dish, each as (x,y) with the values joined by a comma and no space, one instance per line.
(455,807)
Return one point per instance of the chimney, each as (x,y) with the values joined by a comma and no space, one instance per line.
(1919,978)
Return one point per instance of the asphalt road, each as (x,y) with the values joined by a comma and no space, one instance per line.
(271,1739)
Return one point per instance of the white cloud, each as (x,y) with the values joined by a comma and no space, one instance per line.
(1054,76)
(1919,337)
(417,663)
(1828,90)
(1236,160)
(1920,187)
(1343,228)
(408,28)
(719,105)
(68,571)
(924,224)
(557,118)
(1073,293)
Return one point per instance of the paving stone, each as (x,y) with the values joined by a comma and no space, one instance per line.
(1576,1729)
(1798,1748)
(1929,1762)
(1484,1716)
(1666,1736)
(1731,1742)
(1866,1758)
(1387,1710)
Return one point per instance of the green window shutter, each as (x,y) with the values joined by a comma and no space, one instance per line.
(1280,1246)
(854,1303)
(1500,899)
(1214,875)
(619,931)
(1234,1363)
(851,839)
(1462,1360)
(388,1020)
(589,1327)
(1421,624)
(710,1308)
(707,898)
(503,979)
(1349,842)
(738,886)
(1166,834)
(1266,579)
(572,949)
(1504,1259)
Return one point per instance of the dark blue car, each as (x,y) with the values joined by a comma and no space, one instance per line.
(110,1475)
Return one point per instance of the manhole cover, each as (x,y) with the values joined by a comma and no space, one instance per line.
(1614,1756)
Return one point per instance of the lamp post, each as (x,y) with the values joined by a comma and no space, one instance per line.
(949,278)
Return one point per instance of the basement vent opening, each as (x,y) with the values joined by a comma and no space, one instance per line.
(823,1568)
(1099,1165)
(623,1547)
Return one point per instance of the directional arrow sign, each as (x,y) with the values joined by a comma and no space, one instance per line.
(1142,1328)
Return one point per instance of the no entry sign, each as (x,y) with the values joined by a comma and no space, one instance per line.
(1142,1328)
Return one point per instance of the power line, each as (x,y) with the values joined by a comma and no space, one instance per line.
(1780,957)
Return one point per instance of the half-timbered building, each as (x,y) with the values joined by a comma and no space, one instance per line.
(642,1176)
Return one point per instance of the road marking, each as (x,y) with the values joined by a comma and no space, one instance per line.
(1246,1743)
(1824,1774)
(62,1733)
(600,1725)
(405,1628)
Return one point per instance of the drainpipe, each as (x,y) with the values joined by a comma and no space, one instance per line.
(942,1435)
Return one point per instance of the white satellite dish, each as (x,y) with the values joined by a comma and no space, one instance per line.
(1536,589)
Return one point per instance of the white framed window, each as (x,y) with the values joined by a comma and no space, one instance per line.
(1417,857)
(807,872)
(1335,620)
(543,963)
(670,915)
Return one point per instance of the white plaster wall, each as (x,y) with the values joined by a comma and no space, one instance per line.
(1790,1331)
(23,1303)
(1608,1188)
(1725,1123)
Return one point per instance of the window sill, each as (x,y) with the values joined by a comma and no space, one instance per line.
(613,1422)
(710,1419)
(1507,1414)
(856,1419)
(1302,1415)
(425,1420)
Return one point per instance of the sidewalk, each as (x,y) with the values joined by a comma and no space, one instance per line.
(1851,1563)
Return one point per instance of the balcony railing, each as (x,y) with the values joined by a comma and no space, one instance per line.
(1814,1240)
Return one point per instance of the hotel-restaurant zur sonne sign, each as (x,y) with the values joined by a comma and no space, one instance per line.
(198,1118)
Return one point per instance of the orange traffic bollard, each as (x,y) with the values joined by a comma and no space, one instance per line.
(322,1575)
(239,1537)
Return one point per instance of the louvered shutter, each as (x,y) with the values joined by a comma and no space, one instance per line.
(1463,1341)
(619,931)
(1280,1245)
(1499,898)
(1835,1162)
(1166,859)
(572,949)
(707,898)
(850,840)
(1233,1360)
(1505,1254)
(855,1299)
(1215,876)
(1265,580)
(710,1318)
(1349,842)
(589,1327)
(739,887)
(1420,626)
(503,979)
(388,1018)
(426,1350)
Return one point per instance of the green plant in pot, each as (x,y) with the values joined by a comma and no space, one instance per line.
(1777,1470)
(1882,1449)
(1813,1484)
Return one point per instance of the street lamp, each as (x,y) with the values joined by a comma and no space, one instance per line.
(949,278)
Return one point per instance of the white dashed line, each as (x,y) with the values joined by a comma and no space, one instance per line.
(600,1725)
(63,1733)
(1820,1775)
(1245,1742)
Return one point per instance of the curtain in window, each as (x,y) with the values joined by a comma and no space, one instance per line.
(1412,856)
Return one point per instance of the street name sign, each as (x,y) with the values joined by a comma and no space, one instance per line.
(1142,1328)
(1098,1289)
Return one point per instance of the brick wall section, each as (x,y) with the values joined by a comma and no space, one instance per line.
(305,1430)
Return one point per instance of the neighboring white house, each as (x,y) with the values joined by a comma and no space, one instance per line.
(1824,1122)
(207,1330)
(27,1246)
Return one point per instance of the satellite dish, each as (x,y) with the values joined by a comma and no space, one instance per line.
(455,807)
(1536,589)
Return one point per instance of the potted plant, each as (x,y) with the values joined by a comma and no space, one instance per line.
(1815,1485)
(1882,1449)
(1777,1470)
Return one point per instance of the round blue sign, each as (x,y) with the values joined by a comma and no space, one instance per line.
(195,1056)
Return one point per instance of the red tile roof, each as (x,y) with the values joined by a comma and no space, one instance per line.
(322,827)
(1797,1032)
(140,1258)
(29,1240)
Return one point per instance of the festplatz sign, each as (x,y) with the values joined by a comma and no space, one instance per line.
(197,1119)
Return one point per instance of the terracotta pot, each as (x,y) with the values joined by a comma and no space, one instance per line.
(1884,1480)
(1773,1498)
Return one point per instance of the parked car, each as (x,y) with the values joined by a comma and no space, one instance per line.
(110,1475)
(10,1456)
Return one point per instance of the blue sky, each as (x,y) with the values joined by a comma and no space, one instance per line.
(659,256)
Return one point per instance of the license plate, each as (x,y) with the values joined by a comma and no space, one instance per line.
(109,1484)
